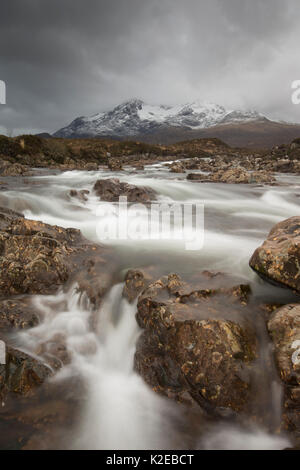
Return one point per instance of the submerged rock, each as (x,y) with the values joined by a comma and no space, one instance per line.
(196,341)
(81,195)
(111,189)
(278,259)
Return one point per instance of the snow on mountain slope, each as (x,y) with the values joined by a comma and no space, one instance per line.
(134,117)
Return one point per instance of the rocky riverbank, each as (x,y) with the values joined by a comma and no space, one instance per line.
(20,154)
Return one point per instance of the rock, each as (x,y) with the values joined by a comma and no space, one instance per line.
(42,419)
(277,260)
(37,258)
(284,328)
(17,313)
(21,374)
(91,166)
(14,169)
(197,342)
(139,167)
(177,168)
(81,195)
(114,165)
(111,189)
(195,177)
(238,175)
(137,280)
(233,176)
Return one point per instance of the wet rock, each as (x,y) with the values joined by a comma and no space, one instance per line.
(277,260)
(136,280)
(44,419)
(177,167)
(17,314)
(21,374)
(284,328)
(81,195)
(91,166)
(115,165)
(14,169)
(234,176)
(111,189)
(37,258)
(139,167)
(196,340)
(195,177)
(238,175)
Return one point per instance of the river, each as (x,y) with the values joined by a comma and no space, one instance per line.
(120,411)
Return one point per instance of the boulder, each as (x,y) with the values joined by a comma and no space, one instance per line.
(91,166)
(37,258)
(196,177)
(239,175)
(14,169)
(177,168)
(197,344)
(115,165)
(137,280)
(277,260)
(111,189)
(21,374)
(284,328)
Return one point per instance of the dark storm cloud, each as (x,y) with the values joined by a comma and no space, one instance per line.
(61,59)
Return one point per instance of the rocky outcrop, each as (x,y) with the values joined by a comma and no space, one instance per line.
(111,189)
(197,344)
(37,258)
(234,176)
(284,328)
(12,169)
(278,259)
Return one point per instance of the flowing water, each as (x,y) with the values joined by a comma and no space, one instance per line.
(120,411)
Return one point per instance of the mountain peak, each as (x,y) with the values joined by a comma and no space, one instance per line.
(135,118)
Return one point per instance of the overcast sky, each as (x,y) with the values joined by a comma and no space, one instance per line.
(66,58)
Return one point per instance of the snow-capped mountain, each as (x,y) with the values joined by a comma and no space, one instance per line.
(135,118)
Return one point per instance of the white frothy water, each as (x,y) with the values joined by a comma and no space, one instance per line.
(121,411)
(236,438)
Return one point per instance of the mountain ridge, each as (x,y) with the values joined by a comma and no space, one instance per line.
(136,118)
